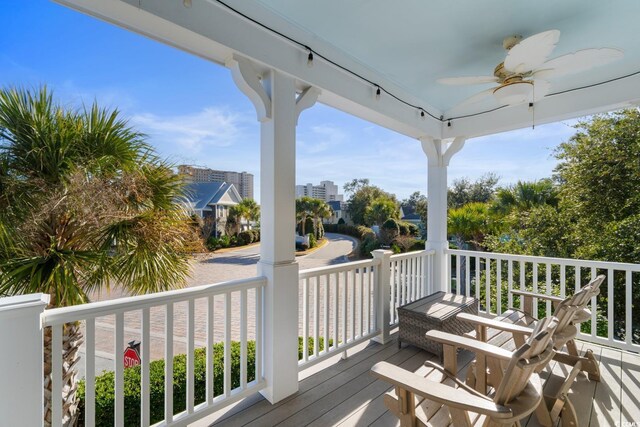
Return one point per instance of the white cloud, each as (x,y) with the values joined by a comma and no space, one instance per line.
(210,127)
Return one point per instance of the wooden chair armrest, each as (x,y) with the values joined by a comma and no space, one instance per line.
(545,297)
(494,324)
(470,344)
(447,395)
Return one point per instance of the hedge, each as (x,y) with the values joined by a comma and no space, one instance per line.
(359,231)
(104,383)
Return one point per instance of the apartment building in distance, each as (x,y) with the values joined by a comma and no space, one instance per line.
(242,181)
(326,191)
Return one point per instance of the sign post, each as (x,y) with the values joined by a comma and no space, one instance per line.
(132,354)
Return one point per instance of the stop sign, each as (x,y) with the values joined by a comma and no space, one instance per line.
(131,355)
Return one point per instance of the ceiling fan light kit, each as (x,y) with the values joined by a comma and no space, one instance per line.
(514,93)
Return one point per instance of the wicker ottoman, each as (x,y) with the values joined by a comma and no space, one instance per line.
(437,311)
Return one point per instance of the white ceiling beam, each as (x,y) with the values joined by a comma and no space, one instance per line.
(211,31)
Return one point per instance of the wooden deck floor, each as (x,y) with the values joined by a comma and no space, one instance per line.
(343,392)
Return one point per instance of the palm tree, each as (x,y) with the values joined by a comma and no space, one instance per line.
(319,209)
(303,211)
(468,224)
(85,204)
(525,195)
(247,209)
(380,210)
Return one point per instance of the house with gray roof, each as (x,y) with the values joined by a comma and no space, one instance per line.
(211,202)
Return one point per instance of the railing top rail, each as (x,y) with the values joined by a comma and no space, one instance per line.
(414,254)
(318,271)
(61,315)
(548,260)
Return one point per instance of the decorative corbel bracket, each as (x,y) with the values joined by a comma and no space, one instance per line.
(249,81)
(439,152)
(305,100)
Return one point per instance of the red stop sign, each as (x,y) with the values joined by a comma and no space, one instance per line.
(131,357)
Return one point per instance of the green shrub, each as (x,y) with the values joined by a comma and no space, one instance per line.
(312,240)
(341,221)
(359,232)
(369,244)
(104,383)
(245,238)
(408,229)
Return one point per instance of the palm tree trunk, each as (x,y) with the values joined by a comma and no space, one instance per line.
(71,340)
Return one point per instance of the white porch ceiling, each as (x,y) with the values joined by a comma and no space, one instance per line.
(404,46)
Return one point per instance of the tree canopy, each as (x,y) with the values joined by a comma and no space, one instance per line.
(362,196)
(85,203)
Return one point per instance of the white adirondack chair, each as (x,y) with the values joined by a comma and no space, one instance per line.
(441,399)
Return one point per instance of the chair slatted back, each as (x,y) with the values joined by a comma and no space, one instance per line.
(535,353)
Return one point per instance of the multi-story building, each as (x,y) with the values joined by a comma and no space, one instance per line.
(326,191)
(242,181)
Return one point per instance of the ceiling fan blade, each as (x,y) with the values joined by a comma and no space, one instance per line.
(473,80)
(531,52)
(540,89)
(478,97)
(577,62)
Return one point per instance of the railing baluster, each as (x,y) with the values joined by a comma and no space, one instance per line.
(628,306)
(316,315)
(371,302)
(563,280)
(90,373)
(145,401)
(56,375)
(168,365)
(119,371)
(190,355)
(510,283)
(325,307)
(498,286)
(353,305)
(458,275)
(610,300)
(227,344)
(259,332)
(467,276)
(594,306)
(535,289)
(477,287)
(243,339)
(305,319)
(361,302)
(209,351)
(548,287)
(336,309)
(345,278)
(488,285)
(394,297)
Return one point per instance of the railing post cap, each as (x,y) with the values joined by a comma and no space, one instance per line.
(24,301)
(381,253)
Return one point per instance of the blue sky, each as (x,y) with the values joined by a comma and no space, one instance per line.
(193,113)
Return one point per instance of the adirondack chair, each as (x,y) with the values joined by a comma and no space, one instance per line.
(439,398)
(556,403)
(499,330)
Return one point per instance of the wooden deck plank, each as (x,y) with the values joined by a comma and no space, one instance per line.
(363,397)
(606,402)
(262,406)
(630,403)
(583,390)
(330,393)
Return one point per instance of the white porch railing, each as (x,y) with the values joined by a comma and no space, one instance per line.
(338,308)
(140,310)
(490,277)
(411,278)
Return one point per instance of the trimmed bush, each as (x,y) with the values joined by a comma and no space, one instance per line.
(341,221)
(104,382)
(245,238)
(312,240)
(359,232)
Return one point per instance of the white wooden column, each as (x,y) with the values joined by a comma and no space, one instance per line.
(274,96)
(439,153)
(21,360)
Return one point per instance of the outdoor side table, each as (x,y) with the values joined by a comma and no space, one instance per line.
(437,311)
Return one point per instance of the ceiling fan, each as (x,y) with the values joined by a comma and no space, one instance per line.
(521,77)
